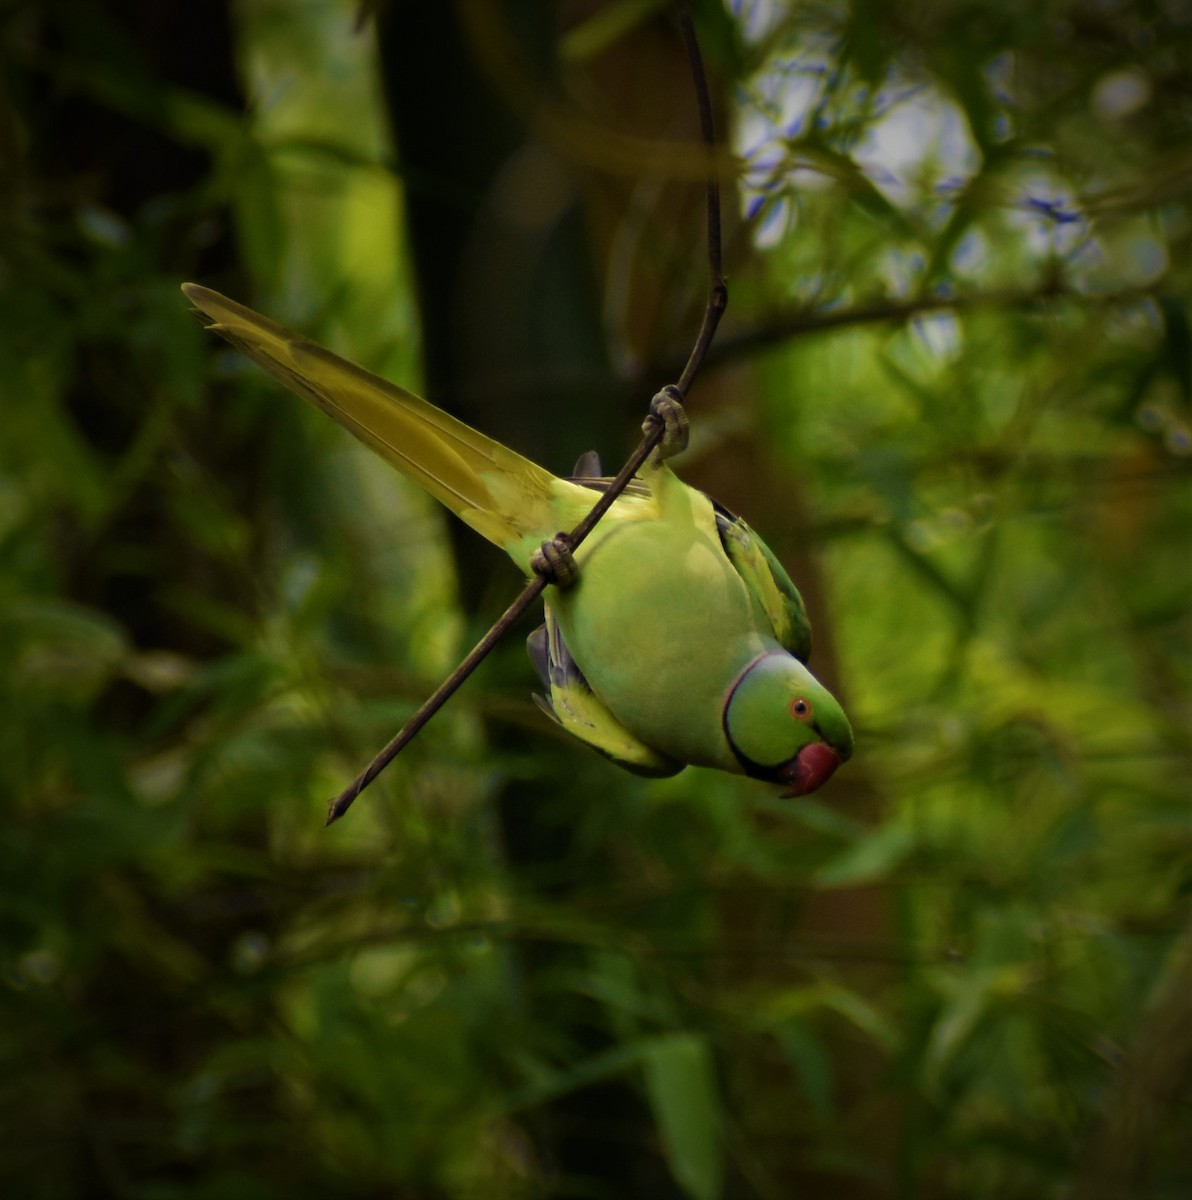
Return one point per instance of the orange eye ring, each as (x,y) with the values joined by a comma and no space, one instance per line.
(801,709)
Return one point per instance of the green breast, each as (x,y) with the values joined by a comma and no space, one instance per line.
(661,624)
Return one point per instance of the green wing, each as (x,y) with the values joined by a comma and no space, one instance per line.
(766,578)
(574,706)
(752,559)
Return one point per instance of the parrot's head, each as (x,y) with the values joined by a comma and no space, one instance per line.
(784,725)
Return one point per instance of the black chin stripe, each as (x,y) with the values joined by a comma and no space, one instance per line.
(752,768)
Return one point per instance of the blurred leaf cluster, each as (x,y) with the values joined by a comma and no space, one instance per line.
(954,392)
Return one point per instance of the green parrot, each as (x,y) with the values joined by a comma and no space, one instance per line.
(681,640)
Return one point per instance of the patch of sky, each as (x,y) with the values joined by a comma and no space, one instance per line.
(970,253)
(757,19)
(773,111)
(902,271)
(1120,94)
(998,73)
(948,192)
(939,334)
(778,102)
(775,216)
(1045,209)
(920,139)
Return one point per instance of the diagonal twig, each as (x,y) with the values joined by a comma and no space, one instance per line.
(717,301)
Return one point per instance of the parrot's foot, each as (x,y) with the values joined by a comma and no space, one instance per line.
(666,409)
(554,562)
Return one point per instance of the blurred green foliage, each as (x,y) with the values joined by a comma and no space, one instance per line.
(956,395)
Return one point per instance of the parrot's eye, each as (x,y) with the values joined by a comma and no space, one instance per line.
(801,709)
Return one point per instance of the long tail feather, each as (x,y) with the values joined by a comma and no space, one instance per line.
(502,495)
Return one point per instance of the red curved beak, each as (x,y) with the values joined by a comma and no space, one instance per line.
(811,768)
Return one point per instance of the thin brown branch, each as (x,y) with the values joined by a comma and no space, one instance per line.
(717,300)
(717,289)
(777,327)
(437,699)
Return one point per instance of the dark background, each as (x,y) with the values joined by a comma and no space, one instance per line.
(952,391)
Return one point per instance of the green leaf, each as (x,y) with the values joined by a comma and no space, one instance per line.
(871,857)
(605,27)
(681,1085)
(806,1050)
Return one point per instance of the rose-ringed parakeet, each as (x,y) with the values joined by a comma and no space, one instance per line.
(681,641)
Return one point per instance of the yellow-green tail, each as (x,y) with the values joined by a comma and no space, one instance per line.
(500,494)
